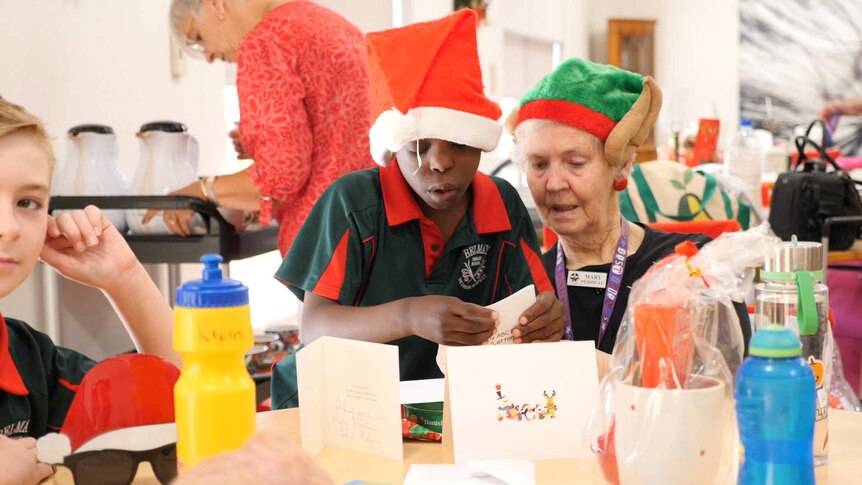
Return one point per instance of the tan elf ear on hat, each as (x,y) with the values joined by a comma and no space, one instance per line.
(617,106)
(425,82)
(633,129)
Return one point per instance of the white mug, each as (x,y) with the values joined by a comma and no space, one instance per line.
(674,437)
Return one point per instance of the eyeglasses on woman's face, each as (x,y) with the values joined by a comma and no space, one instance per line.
(194,43)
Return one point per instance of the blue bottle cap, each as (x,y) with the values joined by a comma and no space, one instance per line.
(212,291)
(775,341)
(745,123)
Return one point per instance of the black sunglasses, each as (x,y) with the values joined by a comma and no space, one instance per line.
(118,467)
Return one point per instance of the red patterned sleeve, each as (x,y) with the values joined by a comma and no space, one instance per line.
(275,127)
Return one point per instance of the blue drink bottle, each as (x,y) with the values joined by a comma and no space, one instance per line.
(775,400)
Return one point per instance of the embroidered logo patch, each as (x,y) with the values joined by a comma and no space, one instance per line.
(474,269)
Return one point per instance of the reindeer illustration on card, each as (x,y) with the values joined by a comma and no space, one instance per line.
(506,410)
(503,394)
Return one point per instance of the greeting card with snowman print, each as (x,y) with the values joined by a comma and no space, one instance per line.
(523,401)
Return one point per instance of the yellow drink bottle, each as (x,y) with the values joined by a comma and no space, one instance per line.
(214,396)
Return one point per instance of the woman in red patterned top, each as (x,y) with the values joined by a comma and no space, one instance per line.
(302,82)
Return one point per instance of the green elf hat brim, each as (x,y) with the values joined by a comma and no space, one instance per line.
(617,106)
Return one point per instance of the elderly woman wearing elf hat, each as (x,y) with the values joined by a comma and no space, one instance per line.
(576,134)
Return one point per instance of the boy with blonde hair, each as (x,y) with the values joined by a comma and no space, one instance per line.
(38,380)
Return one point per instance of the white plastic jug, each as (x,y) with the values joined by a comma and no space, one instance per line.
(168,162)
(92,168)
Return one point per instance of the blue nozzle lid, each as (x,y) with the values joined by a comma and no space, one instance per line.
(745,123)
(775,341)
(212,291)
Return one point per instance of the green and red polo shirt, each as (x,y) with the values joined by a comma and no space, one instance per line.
(366,242)
(38,380)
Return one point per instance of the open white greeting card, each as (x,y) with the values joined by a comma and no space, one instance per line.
(523,401)
(510,310)
(349,397)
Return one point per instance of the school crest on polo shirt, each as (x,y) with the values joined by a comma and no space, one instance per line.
(474,269)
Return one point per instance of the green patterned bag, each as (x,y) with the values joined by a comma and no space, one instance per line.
(665,191)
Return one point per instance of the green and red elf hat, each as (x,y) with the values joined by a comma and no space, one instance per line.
(617,106)
(426,82)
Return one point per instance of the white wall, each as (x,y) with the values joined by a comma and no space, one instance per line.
(576,38)
(563,21)
(76,61)
(368,15)
(697,44)
(425,10)
(539,19)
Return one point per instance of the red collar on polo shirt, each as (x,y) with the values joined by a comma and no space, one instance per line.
(489,210)
(10,378)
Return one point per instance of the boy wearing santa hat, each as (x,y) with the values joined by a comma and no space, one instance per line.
(411,252)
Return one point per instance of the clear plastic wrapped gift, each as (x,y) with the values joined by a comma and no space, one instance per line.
(665,412)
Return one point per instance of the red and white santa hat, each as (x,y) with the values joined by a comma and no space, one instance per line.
(125,402)
(426,83)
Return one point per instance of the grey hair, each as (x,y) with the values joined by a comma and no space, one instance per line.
(518,154)
(180,9)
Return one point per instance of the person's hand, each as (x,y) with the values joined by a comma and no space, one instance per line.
(830,108)
(18,462)
(177,221)
(237,143)
(542,322)
(450,321)
(850,107)
(85,247)
(267,458)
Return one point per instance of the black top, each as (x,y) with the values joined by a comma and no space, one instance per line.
(586,303)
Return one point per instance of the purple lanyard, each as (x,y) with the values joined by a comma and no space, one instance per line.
(615,279)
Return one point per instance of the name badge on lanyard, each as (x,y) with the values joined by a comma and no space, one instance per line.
(587,279)
(613,283)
